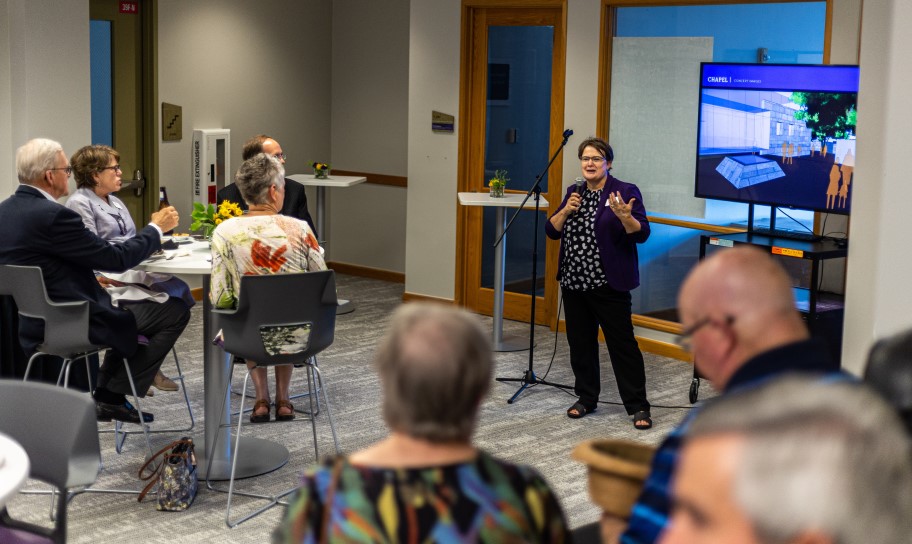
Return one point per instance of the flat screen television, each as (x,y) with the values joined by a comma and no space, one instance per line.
(777,134)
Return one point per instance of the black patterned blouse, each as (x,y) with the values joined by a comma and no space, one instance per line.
(581,269)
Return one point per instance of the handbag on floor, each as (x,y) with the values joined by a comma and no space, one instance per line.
(175,475)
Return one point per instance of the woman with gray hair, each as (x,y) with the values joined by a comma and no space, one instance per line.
(426,481)
(261,242)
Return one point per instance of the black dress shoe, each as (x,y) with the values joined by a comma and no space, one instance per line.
(121,412)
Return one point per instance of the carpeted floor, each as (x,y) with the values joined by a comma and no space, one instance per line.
(533,430)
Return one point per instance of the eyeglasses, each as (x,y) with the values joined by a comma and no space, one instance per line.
(116,168)
(67,169)
(594,160)
(281,156)
(685,339)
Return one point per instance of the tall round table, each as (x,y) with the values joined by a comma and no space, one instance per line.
(257,456)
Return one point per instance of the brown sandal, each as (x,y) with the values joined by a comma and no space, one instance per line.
(284,404)
(260,418)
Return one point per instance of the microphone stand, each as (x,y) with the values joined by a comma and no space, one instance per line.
(529,378)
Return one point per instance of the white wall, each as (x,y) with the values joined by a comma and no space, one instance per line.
(251,67)
(878,298)
(44,78)
(430,240)
(370,43)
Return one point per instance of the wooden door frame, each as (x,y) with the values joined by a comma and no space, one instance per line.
(470,169)
(150,107)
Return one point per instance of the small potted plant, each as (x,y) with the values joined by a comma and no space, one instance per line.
(209,217)
(497,183)
(321,170)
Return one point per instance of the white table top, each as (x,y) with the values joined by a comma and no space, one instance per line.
(193,258)
(14,467)
(331,181)
(509,200)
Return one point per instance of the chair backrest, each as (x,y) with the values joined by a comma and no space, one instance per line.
(280,309)
(57,427)
(66,324)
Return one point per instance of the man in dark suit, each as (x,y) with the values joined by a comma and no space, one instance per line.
(38,231)
(295,200)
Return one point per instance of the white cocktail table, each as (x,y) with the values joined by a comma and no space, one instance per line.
(258,456)
(345,306)
(14,468)
(500,205)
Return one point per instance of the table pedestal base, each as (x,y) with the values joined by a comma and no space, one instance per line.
(345,307)
(511,343)
(258,456)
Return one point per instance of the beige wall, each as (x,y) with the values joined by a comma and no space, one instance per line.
(430,238)
(878,298)
(44,78)
(250,67)
(370,43)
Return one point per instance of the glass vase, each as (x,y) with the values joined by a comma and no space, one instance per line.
(321,174)
(497,191)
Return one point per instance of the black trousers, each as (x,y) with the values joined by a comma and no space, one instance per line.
(162,324)
(585,312)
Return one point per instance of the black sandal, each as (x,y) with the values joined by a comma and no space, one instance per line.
(642,415)
(580,409)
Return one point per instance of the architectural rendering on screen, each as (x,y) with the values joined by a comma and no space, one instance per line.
(781,135)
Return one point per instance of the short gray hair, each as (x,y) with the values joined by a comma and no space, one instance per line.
(889,372)
(36,157)
(256,175)
(435,366)
(819,455)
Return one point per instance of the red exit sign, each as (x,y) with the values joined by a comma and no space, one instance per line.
(129,6)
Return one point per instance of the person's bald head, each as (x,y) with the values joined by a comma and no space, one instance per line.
(740,303)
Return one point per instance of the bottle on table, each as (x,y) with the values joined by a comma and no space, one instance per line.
(163,203)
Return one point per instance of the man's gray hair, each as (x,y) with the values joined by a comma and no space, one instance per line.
(435,366)
(256,175)
(819,454)
(35,157)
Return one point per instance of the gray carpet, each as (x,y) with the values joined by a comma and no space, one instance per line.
(534,430)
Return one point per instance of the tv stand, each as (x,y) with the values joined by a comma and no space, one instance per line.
(787,234)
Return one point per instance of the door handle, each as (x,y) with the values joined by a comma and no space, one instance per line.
(138,183)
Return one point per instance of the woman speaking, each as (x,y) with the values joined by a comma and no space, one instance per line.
(599,224)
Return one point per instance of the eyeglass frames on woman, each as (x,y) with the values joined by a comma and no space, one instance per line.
(685,339)
(116,168)
(67,169)
(593,160)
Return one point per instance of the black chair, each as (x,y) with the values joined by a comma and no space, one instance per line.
(66,325)
(60,436)
(281,319)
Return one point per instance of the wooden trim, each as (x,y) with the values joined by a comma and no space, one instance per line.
(695,225)
(664,349)
(653,323)
(197,294)
(415,297)
(648,345)
(376,179)
(367,272)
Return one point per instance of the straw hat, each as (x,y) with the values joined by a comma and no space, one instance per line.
(617,471)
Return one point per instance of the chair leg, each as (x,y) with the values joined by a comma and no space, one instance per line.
(120,435)
(332,424)
(313,414)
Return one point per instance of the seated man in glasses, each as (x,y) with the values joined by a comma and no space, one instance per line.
(38,231)
(295,199)
(742,327)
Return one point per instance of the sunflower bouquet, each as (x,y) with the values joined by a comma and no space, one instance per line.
(208,217)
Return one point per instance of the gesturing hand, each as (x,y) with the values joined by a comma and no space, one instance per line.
(620,208)
(166,218)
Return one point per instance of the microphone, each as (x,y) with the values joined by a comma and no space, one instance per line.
(568,133)
(578,189)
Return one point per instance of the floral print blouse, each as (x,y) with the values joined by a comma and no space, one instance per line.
(262,244)
(484,500)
